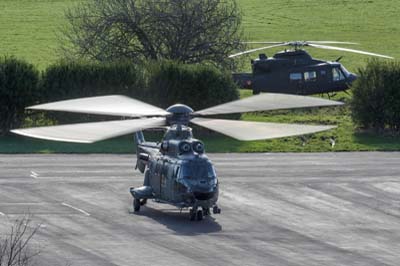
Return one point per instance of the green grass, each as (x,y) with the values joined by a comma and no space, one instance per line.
(17,144)
(345,141)
(372,23)
(28,29)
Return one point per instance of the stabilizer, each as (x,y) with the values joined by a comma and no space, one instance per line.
(139,140)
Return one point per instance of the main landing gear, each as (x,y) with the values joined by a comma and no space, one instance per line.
(137,203)
(216,210)
(199,213)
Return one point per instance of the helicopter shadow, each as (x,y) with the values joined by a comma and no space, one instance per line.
(179,221)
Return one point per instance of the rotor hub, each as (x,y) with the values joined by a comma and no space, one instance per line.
(180,114)
(297,44)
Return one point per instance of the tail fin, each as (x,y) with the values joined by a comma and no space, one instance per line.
(139,139)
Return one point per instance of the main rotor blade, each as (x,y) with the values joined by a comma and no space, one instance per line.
(331,42)
(256,49)
(300,42)
(90,132)
(117,105)
(246,130)
(348,50)
(264,42)
(265,102)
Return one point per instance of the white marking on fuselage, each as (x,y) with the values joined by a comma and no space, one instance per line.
(75,208)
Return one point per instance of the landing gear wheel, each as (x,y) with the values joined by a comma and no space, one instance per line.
(136,205)
(192,214)
(216,210)
(206,211)
(199,215)
(143,202)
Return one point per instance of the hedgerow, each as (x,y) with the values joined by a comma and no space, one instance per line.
(160,83)
(18,89)
(376,97)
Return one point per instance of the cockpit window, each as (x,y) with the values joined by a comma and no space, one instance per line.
(337,74)
(345,71)
(197,170)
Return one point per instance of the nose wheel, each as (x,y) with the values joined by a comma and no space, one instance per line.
(199,215)
(196,215)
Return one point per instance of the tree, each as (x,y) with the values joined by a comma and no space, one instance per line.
(190,31)
(15,246)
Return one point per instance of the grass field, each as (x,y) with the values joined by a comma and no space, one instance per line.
(372,23)
(28,29)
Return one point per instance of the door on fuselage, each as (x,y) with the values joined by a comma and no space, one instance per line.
(337,79)
(310,81)
(164,181)
(168,181)
(296,82)
(155,180)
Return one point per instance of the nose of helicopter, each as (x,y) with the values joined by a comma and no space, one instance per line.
(203,195)
(204,191)
(352,77)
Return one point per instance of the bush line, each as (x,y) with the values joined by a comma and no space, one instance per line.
(159,83)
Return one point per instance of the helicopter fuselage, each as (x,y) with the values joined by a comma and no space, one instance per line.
(295,72)
(177,172)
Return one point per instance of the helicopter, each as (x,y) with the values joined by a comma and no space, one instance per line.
(176,170)
(294,71)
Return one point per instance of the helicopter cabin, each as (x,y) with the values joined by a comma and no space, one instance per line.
(295,72)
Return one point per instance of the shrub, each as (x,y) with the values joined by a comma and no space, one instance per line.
(198,86)
(70,80)
(18,89)
(159,83)
(376,96)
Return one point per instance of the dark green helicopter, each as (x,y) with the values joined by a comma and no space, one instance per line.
(177,171)
(295,71)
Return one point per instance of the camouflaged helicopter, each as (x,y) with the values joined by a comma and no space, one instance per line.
(176,170)
(294,71)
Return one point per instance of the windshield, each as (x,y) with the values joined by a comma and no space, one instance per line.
(337,74)
(197,170)
(345,71)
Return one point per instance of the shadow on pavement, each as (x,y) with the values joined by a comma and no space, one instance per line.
(179,222)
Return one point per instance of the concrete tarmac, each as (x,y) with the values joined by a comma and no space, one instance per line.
(277,209)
